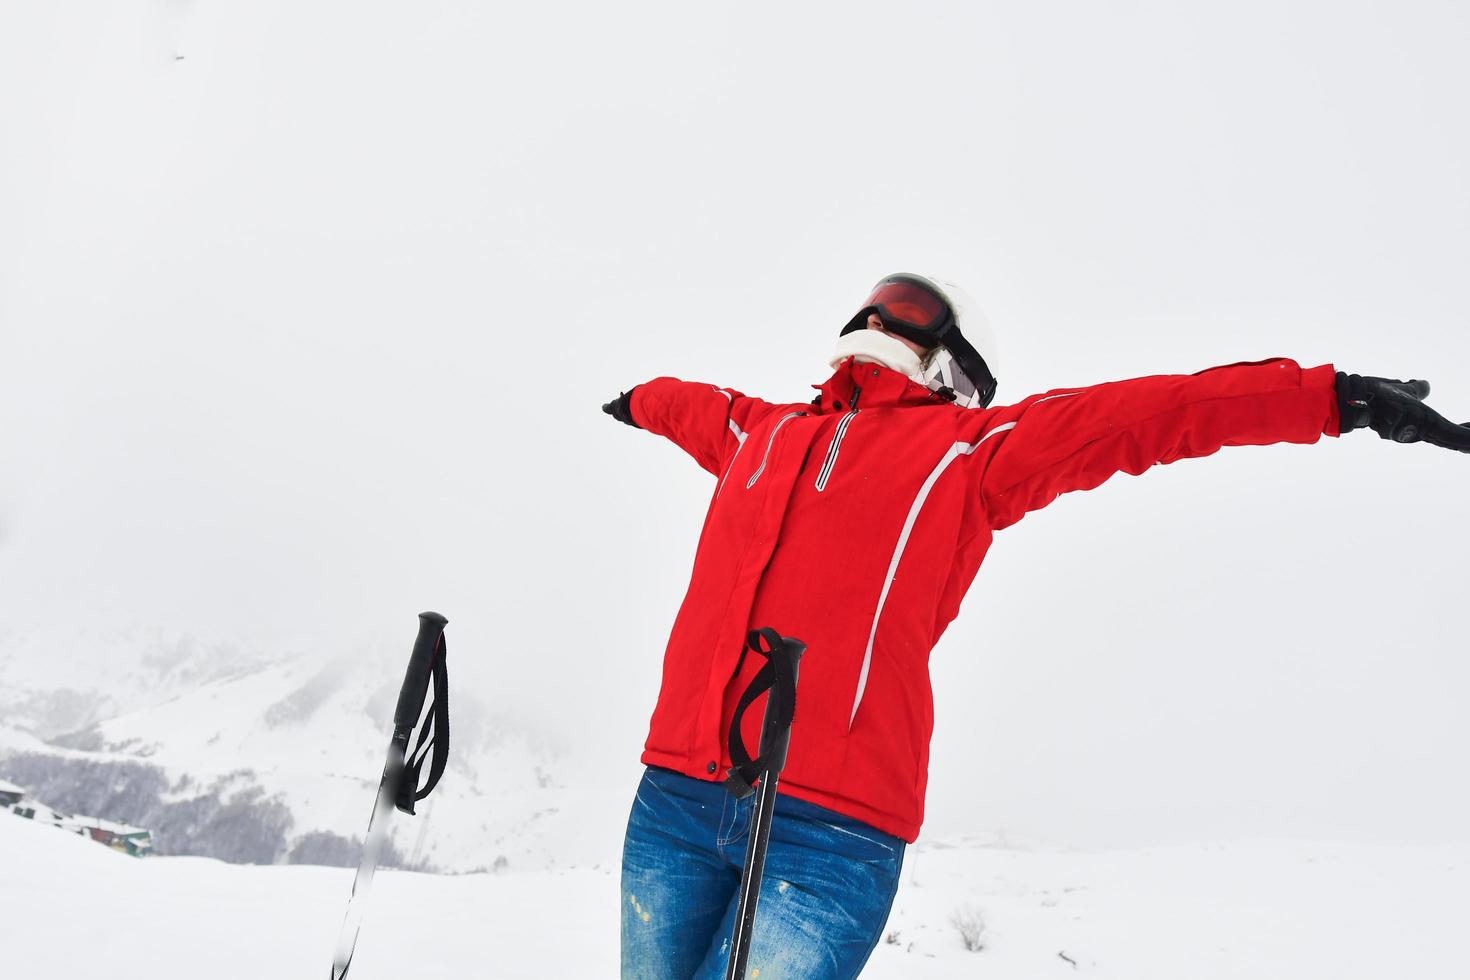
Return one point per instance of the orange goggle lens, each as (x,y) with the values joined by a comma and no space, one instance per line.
(909,302)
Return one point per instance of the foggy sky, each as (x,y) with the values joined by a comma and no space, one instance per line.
(306,312)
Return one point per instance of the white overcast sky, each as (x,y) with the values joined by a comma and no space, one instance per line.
(306,312)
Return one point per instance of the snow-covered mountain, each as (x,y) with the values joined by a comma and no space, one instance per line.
(270,757)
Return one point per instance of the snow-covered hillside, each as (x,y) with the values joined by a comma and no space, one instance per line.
(261,759)
(1283,911)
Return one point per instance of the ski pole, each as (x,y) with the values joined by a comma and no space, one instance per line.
(778,676)
(400,783)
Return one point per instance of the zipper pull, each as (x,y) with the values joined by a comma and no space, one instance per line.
(856,394)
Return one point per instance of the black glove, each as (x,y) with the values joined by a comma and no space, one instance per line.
(621,408)
(1396,410)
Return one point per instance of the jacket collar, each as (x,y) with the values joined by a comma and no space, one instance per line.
(874,385)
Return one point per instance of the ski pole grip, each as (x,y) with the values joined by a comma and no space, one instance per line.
(785,658)
(420,665)
(778,677)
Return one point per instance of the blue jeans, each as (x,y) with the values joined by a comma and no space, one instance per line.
(828,885)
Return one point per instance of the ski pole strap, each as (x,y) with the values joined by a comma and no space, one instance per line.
(778,677)
(426,668)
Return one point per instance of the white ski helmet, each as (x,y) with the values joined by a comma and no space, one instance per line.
(944,318)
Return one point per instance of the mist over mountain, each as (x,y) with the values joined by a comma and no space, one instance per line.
(266,757)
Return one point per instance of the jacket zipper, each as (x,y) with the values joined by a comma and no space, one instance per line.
(836,444)
(769,443)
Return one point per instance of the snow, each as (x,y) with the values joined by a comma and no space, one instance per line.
(69,907)
(1247,909)
(1262,908)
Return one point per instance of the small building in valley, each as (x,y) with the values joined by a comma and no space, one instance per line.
(120,837)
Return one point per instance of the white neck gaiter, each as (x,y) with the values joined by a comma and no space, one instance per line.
(876,347)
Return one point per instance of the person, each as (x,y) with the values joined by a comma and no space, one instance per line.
(856,523)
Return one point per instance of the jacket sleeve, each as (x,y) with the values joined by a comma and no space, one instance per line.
(707,422)
(1074,439)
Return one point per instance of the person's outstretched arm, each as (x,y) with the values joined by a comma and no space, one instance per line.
(707,422)
(1074,439)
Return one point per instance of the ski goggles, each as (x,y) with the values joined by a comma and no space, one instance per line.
(911,308)
(908,308)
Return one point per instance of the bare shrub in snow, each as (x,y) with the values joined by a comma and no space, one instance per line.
(969,922)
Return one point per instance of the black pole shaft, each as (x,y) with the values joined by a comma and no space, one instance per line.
(750,878)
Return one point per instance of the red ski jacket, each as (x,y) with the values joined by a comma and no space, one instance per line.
(856,523)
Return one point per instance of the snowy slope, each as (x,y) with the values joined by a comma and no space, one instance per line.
(256,730)
(1264,909)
